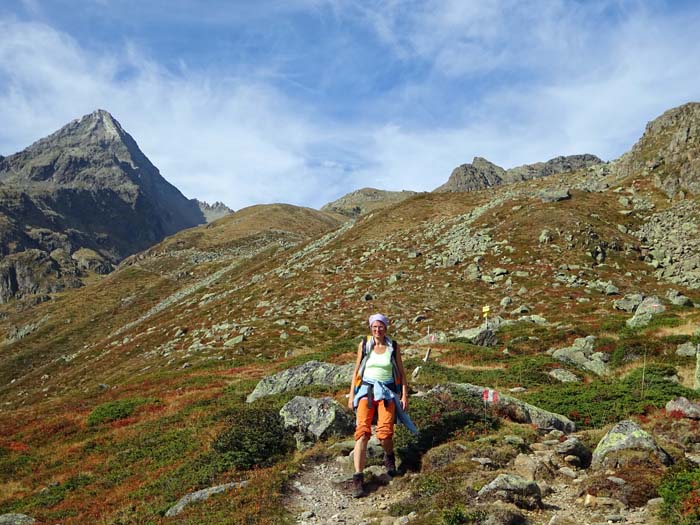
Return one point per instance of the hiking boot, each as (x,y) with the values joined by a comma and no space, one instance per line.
(390,464)
(358,489)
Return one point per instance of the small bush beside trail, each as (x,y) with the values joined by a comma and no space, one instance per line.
(439,418)
(255,437)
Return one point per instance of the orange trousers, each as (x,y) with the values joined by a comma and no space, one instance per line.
(386,413)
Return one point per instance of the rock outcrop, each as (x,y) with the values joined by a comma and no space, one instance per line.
(514,489)
(624,442)
(312,419)
(684,407)
(214,211)
(583,355)
(517,410)
(366,200)
(16,519)
(481,173)
(646,310)
(201,495)
(310,373)
(668,152)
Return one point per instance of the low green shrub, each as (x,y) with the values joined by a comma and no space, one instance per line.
(158,446)
(676,339)
(52,496)
(438,418)
(458,515)
(255,437)
(635,346)
(680,490)
(114,410)
(455,515)
(12,464)
(605,401)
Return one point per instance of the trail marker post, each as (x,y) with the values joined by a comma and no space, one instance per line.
(485,310)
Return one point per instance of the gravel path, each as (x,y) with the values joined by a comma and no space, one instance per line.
(320,494)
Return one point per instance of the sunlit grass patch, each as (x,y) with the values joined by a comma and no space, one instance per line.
(115,410)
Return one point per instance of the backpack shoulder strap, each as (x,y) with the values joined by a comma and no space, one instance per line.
(394,365)
(365,346)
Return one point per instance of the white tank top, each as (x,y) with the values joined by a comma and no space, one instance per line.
(379,367)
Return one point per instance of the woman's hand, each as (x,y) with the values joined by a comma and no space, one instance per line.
(350,405)
(404,402)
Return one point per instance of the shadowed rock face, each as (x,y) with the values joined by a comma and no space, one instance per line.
(87,186)
(481,173)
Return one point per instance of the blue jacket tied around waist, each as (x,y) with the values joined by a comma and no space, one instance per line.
(381,391)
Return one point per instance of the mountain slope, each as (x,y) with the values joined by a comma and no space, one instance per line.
(182,332)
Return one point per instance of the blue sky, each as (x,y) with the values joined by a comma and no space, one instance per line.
(302,101)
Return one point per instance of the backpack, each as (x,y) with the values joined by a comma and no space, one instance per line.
(367,345)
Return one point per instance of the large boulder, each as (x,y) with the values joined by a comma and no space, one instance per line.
(513,408)
(583,355)
(480,335)
(639,321)
(688,349)
(316,419)
(16,519)
(624,443)
(677,298)
(684,407)
(534,467)
(514,489)
(199,495)
(652,305)
(436,337)
(555,195)
(629,302)
(494,324)
(563,376)
(573,446)
(644,313)
(310,373)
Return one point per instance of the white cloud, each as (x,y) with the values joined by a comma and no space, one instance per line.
(520,85)
(231,139)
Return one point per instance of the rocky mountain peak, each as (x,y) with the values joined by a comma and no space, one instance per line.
(483,164)
(90,152)
(88,186)
(214,211)
(482,173)
(365,200)
(669,152)
(102,123)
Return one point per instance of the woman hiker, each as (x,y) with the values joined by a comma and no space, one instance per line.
(378,385)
